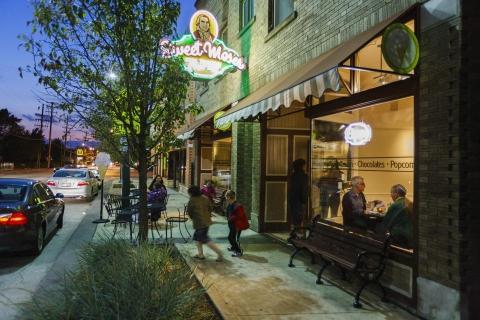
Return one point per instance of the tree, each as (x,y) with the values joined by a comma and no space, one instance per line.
(102,59)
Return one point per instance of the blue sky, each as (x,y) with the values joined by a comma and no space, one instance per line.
(20,95)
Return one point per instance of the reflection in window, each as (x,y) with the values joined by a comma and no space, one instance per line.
(246,12)
(280,10)
(368,64)
(386,160)
(221,163)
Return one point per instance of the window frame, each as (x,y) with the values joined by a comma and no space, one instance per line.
(272,24)
(251,12)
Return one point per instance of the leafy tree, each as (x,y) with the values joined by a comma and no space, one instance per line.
(18,145)
(102,59)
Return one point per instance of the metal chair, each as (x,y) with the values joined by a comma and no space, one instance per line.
(179,219)
(121,215)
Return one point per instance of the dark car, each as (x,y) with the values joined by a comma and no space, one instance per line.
(29,213)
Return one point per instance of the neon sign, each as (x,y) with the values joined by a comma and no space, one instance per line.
(205,56)
(358,134)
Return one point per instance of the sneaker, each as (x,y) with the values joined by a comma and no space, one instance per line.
(198,257)
(237,254)
(219,259)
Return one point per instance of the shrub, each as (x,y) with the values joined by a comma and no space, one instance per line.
(115,280)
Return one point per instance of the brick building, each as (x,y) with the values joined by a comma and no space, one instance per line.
(314,68)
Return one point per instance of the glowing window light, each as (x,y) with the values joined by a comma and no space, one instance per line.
(358,134)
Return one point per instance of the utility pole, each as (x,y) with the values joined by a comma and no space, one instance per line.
(65,140)
(41,115)
(50,137)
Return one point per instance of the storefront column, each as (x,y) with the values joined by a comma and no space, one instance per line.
(246,168)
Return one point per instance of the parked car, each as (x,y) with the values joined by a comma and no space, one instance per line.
(96,174)
(29,213)
(74,183)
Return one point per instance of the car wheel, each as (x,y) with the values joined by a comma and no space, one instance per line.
(60,220)
(39,241)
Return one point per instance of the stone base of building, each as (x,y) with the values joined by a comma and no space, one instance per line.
(436,301)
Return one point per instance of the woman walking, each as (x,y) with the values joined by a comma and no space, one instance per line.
(199,209)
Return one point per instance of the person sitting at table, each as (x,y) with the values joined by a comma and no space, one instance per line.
(157,196)
(398,219)
(354,205)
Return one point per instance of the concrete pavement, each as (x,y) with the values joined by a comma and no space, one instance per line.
(260,285)
(21,275)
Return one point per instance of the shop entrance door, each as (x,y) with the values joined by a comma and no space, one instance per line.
(282,148)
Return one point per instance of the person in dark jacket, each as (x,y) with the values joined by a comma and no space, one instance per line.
(298,193)
(354,205)
(398,219)
(199,209)
(237,222)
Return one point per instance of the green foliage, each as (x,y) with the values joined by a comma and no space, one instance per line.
(117,281)
(17,144)
(102,59)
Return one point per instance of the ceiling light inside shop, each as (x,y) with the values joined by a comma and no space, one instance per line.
(358,134)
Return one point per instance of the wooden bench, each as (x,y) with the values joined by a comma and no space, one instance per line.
(365,258)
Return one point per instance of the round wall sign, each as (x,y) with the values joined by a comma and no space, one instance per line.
(224,126)
(400,48)
(358,134)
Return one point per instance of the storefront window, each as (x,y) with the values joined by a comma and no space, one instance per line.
(369,69)
(221,163)
(376,143)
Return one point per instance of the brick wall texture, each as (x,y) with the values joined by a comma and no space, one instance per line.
(469,117)
(444,161)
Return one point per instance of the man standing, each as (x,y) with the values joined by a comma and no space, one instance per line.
(298,195)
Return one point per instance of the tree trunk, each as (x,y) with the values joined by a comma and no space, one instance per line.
(142,185)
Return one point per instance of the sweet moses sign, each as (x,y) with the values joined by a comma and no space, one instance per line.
(205,56)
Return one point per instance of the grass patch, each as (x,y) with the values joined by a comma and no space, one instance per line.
(115,280)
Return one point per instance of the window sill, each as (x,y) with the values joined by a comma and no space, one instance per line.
(247,26)
(272,33)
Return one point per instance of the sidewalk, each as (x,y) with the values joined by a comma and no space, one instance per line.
(260,285)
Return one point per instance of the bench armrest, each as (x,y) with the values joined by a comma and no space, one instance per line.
(305,232)
(368,261)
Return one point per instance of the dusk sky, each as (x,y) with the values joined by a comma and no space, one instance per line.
(20,95)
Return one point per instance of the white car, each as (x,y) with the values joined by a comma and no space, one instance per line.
(74,183)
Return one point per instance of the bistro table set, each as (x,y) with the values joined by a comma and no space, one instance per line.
(124,211)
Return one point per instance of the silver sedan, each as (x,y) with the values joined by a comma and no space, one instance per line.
(74,183)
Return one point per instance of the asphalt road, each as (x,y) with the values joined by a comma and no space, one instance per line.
(21,275)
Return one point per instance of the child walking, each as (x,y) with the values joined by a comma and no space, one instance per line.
(237,222)
(199,209)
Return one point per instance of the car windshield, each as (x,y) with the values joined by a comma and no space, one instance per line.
(70,174)
(12,192)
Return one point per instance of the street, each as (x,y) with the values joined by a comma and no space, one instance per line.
(22,274)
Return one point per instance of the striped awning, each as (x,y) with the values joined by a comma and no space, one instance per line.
(315,86)
(186,135)
(312,78)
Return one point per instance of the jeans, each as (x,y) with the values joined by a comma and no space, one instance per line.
(234,237)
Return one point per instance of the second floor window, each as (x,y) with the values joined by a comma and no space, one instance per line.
(246,12)
(279,10)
